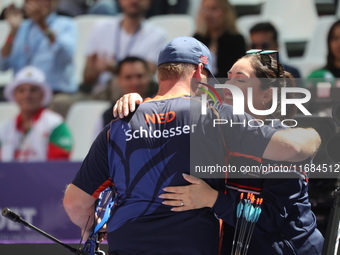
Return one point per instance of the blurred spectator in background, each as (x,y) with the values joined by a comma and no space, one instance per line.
(332,68)
(110,42)
(264,36)
(73,8)
(36,134)
(44,40)
(2,15)
(216,28)
(113,40)
(161,7)
(103,7)
(132,76)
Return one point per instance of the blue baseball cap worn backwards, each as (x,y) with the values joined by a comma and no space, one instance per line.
(186,50)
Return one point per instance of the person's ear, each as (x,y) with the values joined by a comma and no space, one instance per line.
(267,95)
(199,71)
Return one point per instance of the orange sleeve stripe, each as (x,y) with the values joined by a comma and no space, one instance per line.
(102,187)
(237,154)
(166,97)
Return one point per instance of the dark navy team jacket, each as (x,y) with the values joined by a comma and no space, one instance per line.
(287,226)
(150,150)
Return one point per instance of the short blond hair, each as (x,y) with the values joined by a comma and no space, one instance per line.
(174,71)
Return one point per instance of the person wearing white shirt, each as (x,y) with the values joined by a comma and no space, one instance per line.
(113,40)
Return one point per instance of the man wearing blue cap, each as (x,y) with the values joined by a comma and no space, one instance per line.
(150,150)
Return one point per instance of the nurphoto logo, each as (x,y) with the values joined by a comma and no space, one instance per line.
(239,101)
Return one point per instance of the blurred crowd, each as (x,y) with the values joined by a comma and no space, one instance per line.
(120,57)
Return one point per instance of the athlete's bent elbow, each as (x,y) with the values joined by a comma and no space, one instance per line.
(305,146)
(292,145)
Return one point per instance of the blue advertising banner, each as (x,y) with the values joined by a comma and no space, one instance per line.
(35,191)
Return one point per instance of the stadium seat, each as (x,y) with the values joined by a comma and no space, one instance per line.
(84,26)
(4,31)
(5,76)
(337,11)
(82,120)
(294,19)
(246,22)
(175,24)
(316,49)
(193,8)
(5,3)
(8,110)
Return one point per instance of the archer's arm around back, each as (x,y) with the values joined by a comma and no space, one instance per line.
(80,208)
(293,145)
